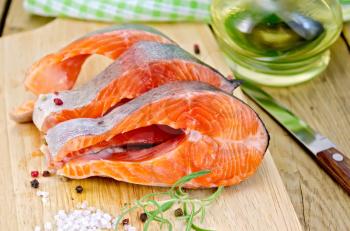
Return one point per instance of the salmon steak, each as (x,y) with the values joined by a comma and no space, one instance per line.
(162,135)
(59,71)
(143,66)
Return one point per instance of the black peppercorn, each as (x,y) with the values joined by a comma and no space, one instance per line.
(79,189)
(34,183)
(196,49)
(143,217)
(46,173)
(125,221)
(178,212)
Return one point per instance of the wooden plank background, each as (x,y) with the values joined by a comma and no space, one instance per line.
(323,103)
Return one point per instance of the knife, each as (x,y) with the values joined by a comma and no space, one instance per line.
(324,151)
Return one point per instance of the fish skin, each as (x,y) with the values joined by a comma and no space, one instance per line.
(59,71)
(221,134)
(144,66)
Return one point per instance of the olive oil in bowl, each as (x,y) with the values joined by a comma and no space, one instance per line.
(276,42)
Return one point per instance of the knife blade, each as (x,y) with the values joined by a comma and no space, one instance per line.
(325,152)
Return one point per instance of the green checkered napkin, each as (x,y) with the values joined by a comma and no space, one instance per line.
(132,10)
(346,9)
(123,10)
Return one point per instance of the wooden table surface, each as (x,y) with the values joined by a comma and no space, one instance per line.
(323,103)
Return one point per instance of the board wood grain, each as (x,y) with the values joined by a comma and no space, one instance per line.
(19,20)
(321,204)
(260,203)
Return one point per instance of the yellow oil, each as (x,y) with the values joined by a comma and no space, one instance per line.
(274,38)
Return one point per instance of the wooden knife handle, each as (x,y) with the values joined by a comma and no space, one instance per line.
(337,165)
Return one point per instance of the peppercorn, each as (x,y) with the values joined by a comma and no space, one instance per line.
(58,101)
(125,221)
(46,173)
(143,217)
(34,183)
(196,49)
(178,212)
(34,173)
(79,189)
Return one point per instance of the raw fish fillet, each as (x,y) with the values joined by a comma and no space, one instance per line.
(59,71)
(162,135)
(144,66)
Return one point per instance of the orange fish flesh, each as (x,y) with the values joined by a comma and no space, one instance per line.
(162,135)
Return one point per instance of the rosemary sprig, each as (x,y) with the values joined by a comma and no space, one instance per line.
(192,207)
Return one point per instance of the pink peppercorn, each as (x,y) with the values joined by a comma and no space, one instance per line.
(58,101)
(34,174)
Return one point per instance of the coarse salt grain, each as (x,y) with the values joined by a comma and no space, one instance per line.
(84,205)
(44,196)
(37,228)
(83,218)
(129,228)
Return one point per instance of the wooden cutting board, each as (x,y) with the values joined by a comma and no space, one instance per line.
(260,203)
